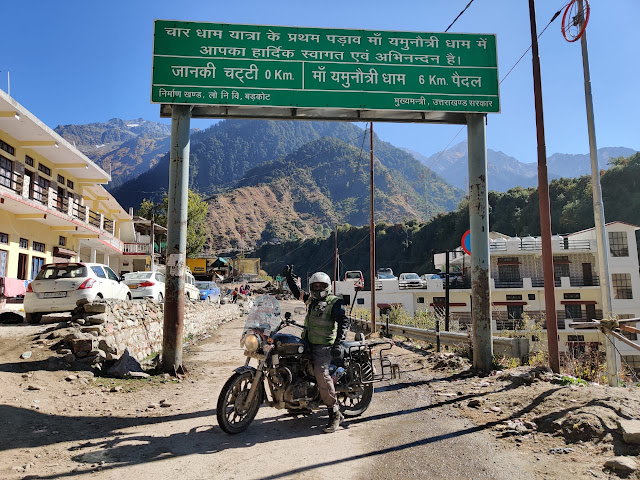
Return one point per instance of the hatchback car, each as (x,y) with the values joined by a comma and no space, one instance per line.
(146,285)
(58,286)
(191,292)
(410,280)
(209,291)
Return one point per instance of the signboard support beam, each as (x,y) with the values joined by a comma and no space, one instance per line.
(372,238)
(479,226)
(178,200)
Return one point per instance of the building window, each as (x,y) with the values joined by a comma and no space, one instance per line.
(3,263)
(38,247)
(532,296)
(23,258)
(618,244)
(514,297)
(509,273)
(36,265)
(630,335)
(575,338)
(41,189)
(4,238)
(24,243)
(6,171)
(621,283)
(560,270)
(514,312)
(360,301)
(572,296)
(62,241)
(7,148)
(44,169)
(70,184)
(573,311)
(420,299)
(61,179)
(28,160)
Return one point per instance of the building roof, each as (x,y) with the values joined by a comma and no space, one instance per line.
(635,227)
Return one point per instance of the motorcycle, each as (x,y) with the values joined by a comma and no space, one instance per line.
(285,371)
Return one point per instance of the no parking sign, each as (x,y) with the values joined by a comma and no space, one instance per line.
(466,242)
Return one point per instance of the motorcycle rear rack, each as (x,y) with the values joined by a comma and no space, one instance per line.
(387,370)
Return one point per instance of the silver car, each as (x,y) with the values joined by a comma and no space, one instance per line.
(58,286)
(146,285)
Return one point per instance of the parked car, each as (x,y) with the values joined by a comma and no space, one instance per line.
(58,286)
(209,291)
(146,285)
(355,276)
(455,278)
(191,292)
(410,280)
(385,274)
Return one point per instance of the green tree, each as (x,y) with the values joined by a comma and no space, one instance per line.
(197,228)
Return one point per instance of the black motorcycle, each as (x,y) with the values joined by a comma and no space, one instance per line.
(284,377)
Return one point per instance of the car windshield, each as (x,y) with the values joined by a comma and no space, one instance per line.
(411,276)
(385,276)
(205,285)
(62,271)
(137,275)
(264,315)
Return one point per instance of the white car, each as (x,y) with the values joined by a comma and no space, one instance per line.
(58,286)
(146,285)
(410,280)
(191,292)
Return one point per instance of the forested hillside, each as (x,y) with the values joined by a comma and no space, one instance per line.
(409,246)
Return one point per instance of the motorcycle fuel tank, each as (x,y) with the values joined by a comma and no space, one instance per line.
(287,344)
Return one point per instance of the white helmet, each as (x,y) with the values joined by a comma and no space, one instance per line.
(319,278)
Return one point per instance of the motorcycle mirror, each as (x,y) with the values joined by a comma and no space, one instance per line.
(287,316)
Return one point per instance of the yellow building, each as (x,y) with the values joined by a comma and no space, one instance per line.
(53,205)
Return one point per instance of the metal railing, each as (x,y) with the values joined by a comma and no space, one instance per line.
(529,245)
(79,211)
(108,225)
(12,181)
(94,218)
(136,248)
(508,284)
(513,347)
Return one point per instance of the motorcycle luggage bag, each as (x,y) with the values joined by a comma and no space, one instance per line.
(287,344)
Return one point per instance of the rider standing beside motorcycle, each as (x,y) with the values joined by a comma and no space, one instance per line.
(326,325)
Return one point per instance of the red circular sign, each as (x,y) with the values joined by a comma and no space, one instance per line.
(466,242)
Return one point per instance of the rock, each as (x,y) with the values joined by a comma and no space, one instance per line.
(622,464)
(137,375)
(475,403)
(70,378)
(34,387)
(82,345)
(64,351)
(630,430)
(530,425)
(107,346)
(496,409)
(165,404)
(95,330)
(95,307)
(69,358)
(82,302)
(98,319)
(125,365)
(25,355)
(116,388)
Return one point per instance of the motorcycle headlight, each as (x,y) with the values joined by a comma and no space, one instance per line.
(251,343)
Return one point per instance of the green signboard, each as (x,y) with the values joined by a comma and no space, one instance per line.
(275,66)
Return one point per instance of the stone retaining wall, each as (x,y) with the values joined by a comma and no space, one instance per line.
(138,325)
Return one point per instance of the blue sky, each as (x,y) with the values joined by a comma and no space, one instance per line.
(82,62)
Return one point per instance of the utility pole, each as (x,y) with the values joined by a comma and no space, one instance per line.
(446,294)
(153,240)
(545,211)
(335,260)
(598,208)
(372,241)
(176,240)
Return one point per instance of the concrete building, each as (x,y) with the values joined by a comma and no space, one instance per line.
(53,205)
(517,286)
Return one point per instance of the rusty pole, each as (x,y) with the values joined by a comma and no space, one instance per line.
(479,226)
(545,211)
(335,260)
(372,241)
(176,240)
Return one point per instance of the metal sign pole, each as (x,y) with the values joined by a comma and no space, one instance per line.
(176,240)
(598,208)
(372,242)
(479,226)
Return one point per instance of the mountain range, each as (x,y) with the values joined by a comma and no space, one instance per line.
(505,172)
(269,181)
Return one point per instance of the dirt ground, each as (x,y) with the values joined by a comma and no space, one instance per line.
(437,421)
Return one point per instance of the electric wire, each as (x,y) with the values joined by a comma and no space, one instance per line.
(631,370)
(459,15)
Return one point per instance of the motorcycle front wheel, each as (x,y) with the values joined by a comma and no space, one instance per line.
(233,416)
(356,401)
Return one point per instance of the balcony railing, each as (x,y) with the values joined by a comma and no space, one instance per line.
(108,225)
(508,283)
(532,245)
(574,281)
(12,181)
(94,218)
(139,249)
(79,211)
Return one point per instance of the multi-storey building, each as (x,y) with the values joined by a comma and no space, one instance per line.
(53,205)
(517,285)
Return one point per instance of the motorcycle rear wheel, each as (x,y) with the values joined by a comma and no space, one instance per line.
(232,417)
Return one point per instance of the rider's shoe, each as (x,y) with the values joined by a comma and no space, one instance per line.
(335,417)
